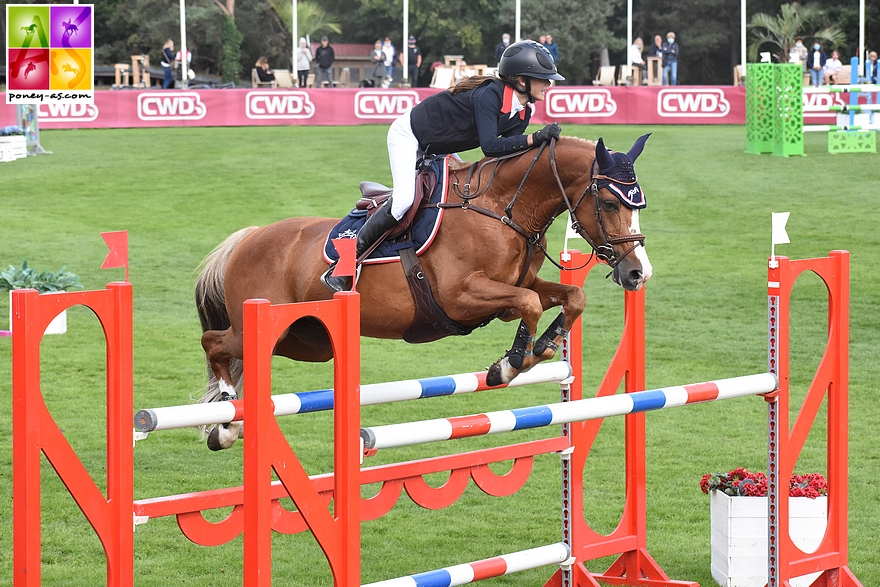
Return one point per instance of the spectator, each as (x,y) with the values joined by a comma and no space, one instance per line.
(499,49)
(871,67)
(542,39)
(656,49)
(670,60)
(800,51)
(816,63)
(377,60)
(167,63)
(482,111)
(325,56)
(832,68)
(414,56)
(389,51)
(303,63)
(552,47)
(262,67)
(635,56)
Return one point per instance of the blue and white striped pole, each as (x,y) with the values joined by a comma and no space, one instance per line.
(484,569)
(149,420)
(412,433)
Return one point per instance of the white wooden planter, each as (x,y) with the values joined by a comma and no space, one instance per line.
(739,536)
(57,326)
(12,148)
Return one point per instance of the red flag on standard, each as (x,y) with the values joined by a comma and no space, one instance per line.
(346,248)
(117,242)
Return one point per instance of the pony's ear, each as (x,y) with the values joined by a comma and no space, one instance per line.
(637,147)
(603,157)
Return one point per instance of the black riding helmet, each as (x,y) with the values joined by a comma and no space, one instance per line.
(530,59)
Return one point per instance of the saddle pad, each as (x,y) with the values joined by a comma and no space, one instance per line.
(423,230)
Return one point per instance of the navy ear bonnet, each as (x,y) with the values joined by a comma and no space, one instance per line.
(616,173)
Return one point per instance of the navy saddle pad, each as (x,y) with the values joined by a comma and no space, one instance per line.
(423,231)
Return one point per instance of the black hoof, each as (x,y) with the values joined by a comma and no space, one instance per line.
(214,439)
(493,378)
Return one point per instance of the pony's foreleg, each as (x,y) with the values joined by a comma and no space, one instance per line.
(572,299)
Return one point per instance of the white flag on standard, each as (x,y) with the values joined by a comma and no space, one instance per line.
(779,236)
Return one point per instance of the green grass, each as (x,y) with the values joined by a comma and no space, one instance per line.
(180,191)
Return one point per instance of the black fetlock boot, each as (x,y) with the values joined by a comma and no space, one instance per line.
(380,222)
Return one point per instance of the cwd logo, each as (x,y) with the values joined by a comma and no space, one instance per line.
(575,103)
(170,106)
(278,105)
(703,103)
(819,104)
(52,112)
(388,104)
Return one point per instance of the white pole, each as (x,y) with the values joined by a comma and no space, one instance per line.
(517,26)
(295,35)
(629,37)
(861,37)
(184,82)
(742,34)
(406,80)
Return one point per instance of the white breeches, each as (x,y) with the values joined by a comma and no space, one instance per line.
(403,153)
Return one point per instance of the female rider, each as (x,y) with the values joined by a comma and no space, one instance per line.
(481,111)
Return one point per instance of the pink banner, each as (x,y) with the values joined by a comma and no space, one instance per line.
(337,107)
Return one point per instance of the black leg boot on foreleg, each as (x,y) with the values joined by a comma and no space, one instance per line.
(380,222)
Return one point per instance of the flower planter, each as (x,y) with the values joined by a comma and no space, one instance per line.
(739,536)
(57,326)
(13,147)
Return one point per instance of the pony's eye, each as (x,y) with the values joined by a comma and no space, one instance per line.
(609,205)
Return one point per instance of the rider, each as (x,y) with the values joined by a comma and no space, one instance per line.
(480,111)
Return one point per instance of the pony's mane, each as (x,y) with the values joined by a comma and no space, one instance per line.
(456,165)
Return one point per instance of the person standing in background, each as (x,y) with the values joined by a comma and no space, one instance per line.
(303,63)
(377,61)
(656,49)
(670,60)
(389,51)
(816,63)
(325,56)
(167,63)
(500,48)
(871,68)
(552,47)
(414,55)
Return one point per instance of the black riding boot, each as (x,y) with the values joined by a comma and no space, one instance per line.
(373,229)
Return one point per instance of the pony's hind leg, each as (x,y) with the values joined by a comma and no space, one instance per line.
(223,353)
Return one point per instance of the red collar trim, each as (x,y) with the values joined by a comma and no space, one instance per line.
(507,100)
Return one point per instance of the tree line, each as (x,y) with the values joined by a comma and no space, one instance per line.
(226,37)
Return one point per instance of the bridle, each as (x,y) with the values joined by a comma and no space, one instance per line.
(604,251)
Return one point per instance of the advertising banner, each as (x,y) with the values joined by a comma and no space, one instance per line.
(354,106)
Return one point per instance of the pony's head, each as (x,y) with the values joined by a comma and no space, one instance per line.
(616,236)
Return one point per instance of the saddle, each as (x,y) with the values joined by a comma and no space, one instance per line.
(431,322)
(374,194)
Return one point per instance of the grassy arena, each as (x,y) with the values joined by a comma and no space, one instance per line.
(180,191)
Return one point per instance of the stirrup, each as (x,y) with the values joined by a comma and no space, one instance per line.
(337,283)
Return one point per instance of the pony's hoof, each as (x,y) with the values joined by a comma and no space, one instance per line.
(224,436)
(493,377)
(214,439)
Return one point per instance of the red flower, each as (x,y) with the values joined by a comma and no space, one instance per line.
(740,481)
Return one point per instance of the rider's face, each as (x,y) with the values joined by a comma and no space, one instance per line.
(539,88)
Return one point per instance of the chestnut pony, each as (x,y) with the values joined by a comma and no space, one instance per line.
(482,264)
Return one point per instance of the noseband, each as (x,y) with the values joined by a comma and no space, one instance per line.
(604,251)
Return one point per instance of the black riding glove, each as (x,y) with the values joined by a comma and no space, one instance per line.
(551,131)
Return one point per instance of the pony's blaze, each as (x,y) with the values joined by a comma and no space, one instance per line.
(635,268)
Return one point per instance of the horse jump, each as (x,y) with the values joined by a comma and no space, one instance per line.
(338,534)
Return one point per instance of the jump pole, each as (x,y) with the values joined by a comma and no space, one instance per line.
(412,433)
(288,404)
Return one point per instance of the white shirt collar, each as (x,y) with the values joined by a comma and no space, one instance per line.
(515,106)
